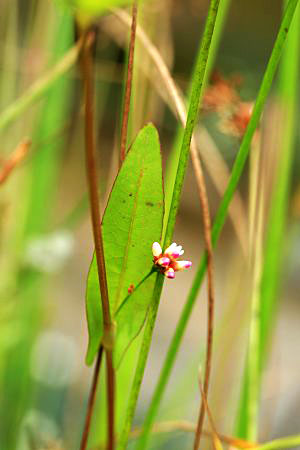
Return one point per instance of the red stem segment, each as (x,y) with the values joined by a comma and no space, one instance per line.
(91,401)
(210,296)
(128,87)
(91,170)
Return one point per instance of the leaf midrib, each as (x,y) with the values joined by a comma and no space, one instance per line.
(126,252)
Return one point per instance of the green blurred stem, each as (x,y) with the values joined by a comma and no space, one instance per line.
(221,214)
(215,42)
(172,164)
(281,443)
(253,355)
(262,318)
(197,91)
(196,95)
(39,87)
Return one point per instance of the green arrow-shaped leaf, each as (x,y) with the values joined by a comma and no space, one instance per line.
(131,223)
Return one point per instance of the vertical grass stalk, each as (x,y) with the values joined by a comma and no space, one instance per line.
(197,91)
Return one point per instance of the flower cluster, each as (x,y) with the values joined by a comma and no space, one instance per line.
(167,262)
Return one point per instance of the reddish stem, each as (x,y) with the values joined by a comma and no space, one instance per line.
(128,86)
(91,170)
(91,401)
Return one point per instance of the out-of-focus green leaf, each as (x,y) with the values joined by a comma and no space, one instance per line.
(131,223)
(88,9)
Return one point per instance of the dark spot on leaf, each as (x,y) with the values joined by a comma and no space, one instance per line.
(123,201)
(130,195)
(286,30)
(149,204)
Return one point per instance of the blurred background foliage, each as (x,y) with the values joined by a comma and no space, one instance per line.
(46,240)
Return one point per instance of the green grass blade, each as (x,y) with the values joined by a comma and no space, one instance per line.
(288,94)
(196,94)
(173,160)
(222,212)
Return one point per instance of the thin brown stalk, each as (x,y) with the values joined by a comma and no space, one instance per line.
(111,399)
(107,342)
(128,86)
(14,160)
(217,168)
(215,434)
(91,401)
(210,287)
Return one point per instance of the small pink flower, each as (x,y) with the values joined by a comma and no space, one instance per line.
(170,273)
(174,251)
(167,261)
(163,261)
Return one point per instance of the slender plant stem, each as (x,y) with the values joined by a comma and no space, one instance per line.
(191,119)
(218,31)
(14,160)
(139,372)
(196,95)
(210,294)
(221,214)
(215,434)
(91,168)
(91,401)
(111,382)
(39,87)
(128,86)
(253,353)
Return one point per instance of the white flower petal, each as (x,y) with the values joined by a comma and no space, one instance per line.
(156,249)
(181,265)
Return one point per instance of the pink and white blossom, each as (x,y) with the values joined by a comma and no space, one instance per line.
(166,261)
